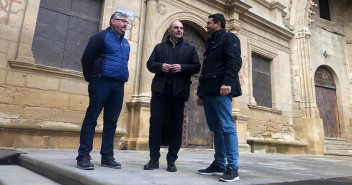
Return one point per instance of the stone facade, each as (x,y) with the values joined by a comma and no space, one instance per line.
(289,33)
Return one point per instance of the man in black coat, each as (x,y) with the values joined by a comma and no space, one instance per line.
(173,62)
(218,84)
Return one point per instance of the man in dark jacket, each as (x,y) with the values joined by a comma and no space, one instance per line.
(218,83)
(105,67)
(173,62)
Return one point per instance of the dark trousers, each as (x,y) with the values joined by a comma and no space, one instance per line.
(160,106)
(108,94)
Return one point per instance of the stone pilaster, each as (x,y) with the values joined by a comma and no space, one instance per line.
(310,128)
(308,99)
(139,105)
(109,7)
(148,46)
(24,53)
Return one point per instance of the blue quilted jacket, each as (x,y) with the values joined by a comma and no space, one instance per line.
(106,55)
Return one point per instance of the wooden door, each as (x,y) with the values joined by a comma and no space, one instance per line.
(325,90)
(195,129)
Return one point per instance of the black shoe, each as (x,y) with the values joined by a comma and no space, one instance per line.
(152,164)
(213,169)
(84,163)
(171,167)
(109,161)
(230,175)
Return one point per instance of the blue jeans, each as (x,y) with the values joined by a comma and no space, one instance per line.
(108,94)
(218,113)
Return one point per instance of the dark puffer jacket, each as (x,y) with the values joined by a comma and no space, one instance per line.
(222,62)
(106,55)
(187,58)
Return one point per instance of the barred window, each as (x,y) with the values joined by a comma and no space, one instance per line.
(261,80)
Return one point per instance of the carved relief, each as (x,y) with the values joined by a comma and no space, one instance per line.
(287,20)
(311,12)
(242,74)
(162,9)
(6,10)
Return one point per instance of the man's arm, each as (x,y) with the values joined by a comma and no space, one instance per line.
(233,59)
(91,51)
(153,65)
(194,66)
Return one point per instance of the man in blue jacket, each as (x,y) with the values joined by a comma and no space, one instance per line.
(218,84)
(105,67)
(173,62)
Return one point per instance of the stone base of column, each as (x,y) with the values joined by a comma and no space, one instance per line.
(311,130)
(138,123)
(241,127)
(135,144)
(18,135)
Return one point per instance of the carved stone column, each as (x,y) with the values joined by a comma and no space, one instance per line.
(148,46)
(234,25)
(139,105)
(109,7)
(311,127)
(24,53)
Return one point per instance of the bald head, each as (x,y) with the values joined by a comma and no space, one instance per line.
(176,30)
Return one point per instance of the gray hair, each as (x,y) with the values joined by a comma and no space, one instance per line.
(118,15)
(173,22)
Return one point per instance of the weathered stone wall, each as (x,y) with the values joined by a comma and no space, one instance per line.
(331,36)
(39,95)
(32,94)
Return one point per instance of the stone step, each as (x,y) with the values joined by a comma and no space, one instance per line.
(339,147)
(339,152)
(335,141)
(14,175)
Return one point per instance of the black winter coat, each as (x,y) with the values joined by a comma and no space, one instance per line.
(222,62)
(187,58)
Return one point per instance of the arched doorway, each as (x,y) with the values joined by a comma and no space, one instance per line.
(325,90)
(195,129)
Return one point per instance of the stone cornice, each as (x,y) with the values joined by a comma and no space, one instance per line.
(259,21)
(262,51)
(329,26)
(239,6)
(271,5)
(264,40)
(264,109)
(183,5)
(45,69)
(221,4)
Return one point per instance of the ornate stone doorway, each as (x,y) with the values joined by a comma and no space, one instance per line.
(325,90)
(195,129)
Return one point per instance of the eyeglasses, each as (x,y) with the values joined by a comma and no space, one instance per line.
(123,20)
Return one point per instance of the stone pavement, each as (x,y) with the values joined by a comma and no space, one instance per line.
(59,165)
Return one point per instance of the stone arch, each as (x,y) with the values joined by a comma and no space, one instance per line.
(332,71)
(300,13)
(187,17)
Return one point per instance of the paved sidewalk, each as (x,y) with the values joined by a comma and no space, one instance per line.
(254,168)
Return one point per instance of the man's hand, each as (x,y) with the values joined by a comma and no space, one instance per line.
(199,102)
(166,67)
(225,90)
(176,68)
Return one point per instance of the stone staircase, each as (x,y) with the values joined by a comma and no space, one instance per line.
(337,146)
